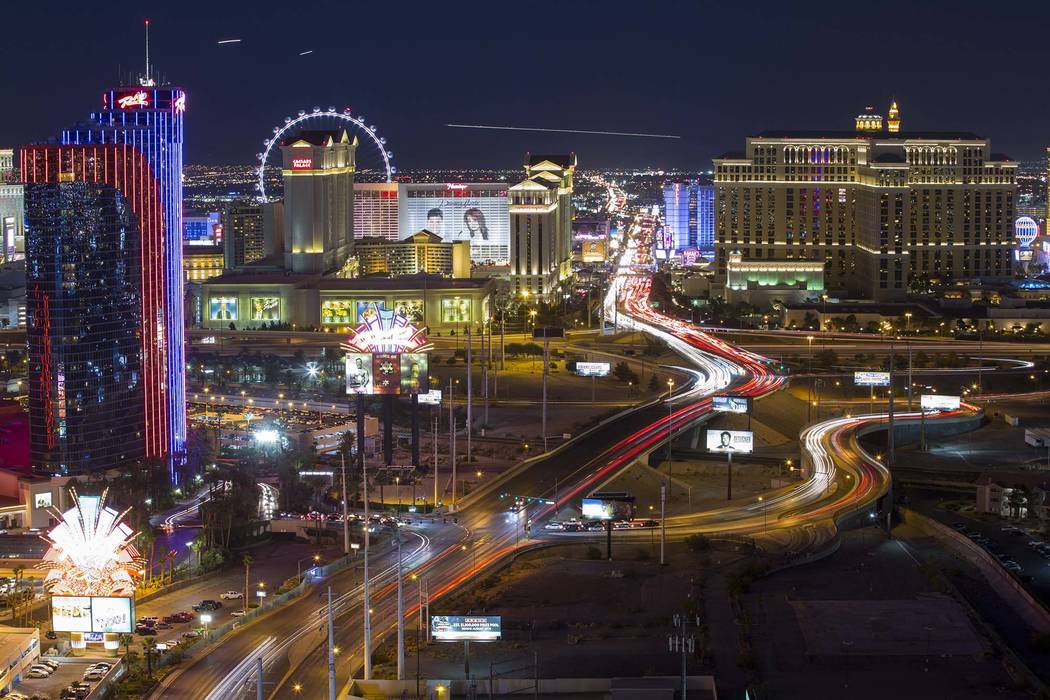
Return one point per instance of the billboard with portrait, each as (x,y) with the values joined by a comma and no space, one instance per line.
(592,369)
(475,212)
(71,613)
(939,402)
(412,309)
(455,310)
(359,373)
(386,373)
(222,308)
(471,628)
(414,370)
(732,441)
(265,308)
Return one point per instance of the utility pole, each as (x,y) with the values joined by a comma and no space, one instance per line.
(346,522)
(470,393)
(663,520)
(259,678)
(400,612)
(366,597)
(889,438)
(682,642)
(486,357)
(331,649)
(910,383)
(546,345)
(452,441)
(729,476)
(437,417)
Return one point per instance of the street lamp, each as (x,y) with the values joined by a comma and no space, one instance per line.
(299,568)
(205,618)
(762,503)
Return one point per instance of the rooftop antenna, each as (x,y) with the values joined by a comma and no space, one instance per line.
(147,80)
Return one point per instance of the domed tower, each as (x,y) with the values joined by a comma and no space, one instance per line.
(893,119)
(868,120)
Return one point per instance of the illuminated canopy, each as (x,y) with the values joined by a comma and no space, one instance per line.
(383,330)
(91,552)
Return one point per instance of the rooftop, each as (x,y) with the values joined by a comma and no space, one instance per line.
(871,135)
(565,160)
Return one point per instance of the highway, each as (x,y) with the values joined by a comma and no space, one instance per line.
(841,479)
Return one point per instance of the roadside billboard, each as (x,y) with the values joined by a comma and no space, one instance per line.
(92,614)
(432,397)
(938,402)
(607,509)
(871,378)
(359,373)
(466,628)
(592,369)
(474,212)
(731,404)
(731,441)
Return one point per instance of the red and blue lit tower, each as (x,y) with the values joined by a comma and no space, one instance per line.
(129,157)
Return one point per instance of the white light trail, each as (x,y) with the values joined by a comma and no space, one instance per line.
(228,41)
(306,53)
(563,131)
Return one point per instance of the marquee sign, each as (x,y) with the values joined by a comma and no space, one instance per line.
(302,163)
(385,331)
(133,100)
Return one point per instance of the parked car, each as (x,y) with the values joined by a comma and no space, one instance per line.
(35,673)
(237,613)
(206,605)
(232,595)
(191,634)
(145,631)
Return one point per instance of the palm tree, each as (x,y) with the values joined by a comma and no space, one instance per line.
(247,560)
(149,646)
(126,640)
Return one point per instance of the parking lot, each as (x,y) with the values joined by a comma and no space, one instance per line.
(69,670)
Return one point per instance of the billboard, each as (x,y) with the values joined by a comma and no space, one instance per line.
(592,369)
(606,509)
(465,628)
(386,373)
(222,309)
(731,441)
(414,373)
(731,404)
(432,397)
(92,614)
(938,402)
(71,613)
(112,615)
(265,308)
(359,373)
(871,378)
(478,213)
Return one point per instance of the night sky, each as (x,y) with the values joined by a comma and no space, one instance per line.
(712,72)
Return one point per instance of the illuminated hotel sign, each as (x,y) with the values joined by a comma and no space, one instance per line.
(134,100)
(383,330)
(302,163)
(180,103)
(455,186)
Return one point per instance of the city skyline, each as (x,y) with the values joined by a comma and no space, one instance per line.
(238,91)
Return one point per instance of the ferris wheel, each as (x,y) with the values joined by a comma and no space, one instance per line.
(373,162)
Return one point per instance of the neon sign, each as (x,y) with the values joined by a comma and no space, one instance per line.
(180,103)
(136,99)
(455,186)
(383,330)
(302,163)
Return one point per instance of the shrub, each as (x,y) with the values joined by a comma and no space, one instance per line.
(698,543)
(594,553)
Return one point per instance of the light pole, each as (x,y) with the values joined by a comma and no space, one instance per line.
(452,440)
(762,505)
(670,409)
(299,565)
(809,370)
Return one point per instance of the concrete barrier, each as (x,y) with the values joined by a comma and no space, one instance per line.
(1024,604)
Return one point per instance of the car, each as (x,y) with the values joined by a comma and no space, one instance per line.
(237,613)
(232,595)
(51,634)
(162,626)
(50,662)
(190,634)
(42,668)
(102,664)
(97,675)
(554,525)
(1011,565)
(206,605)
(172,643)
(144,631)
(35,673)
(959,526)
(594,525)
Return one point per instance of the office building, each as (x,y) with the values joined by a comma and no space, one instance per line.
(689,215)
(318,170)
(105,310)
(424,252)
(200,263)
(376,210)
(541,225)
(12,212)
(244,234)
(202,229)
(884,212)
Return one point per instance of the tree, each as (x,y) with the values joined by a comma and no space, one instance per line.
(1017,501)
(149,646)
(654,383)
(126,640)
(247,561)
